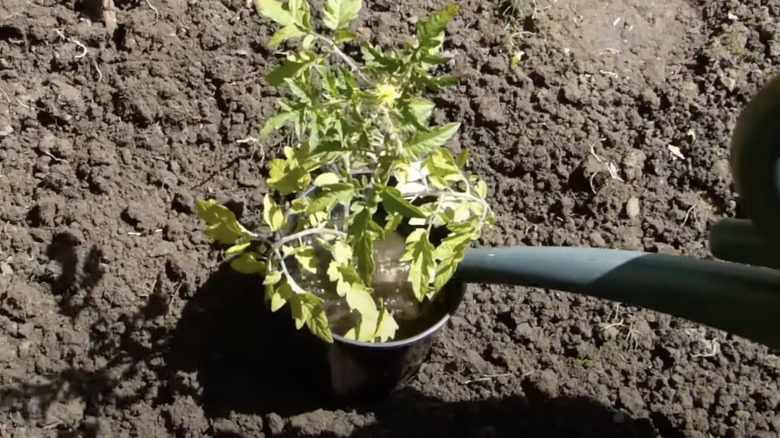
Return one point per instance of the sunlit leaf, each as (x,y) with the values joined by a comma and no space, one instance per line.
(430,29)
(393,202)
(425,143)
(248,263)
(337,14)
(223,225)
(326,179)
(387,326)
(273,215)
(419,252)
(284,34)
(276,11)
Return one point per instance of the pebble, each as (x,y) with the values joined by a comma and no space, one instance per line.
(632,207)
(6,131)
(6,269)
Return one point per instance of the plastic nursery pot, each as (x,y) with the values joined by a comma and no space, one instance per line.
(364,372)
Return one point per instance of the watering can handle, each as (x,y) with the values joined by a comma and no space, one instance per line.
(755,168)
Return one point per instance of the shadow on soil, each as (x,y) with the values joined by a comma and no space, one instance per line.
(242,356)
(242,353)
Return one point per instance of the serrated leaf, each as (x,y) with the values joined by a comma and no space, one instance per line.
(307,309)
(307,258)
(419,252)
(430,29)
(422,144)
(363,231)
(248,263)
(331,195)
(337,14)
(393,221)
(300,12)
(290,67)
(421,108)
(284,34)
(276,11)
(272,278)
(386,327)
(223,225)
(393,202)
(237,249)
(287,180)
(281,296)
(273,215)
(442,169)
(326,179)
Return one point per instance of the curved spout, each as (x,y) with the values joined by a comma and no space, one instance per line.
(738,299)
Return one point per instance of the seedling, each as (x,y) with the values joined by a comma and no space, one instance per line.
(364,165)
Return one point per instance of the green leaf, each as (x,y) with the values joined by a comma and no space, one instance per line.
(248,263)
(463,158)
(360,299)
(276,11)
(421,108)
(326,179)
(337,14)
(307,258)
(343,36)
(393,202)
(223,225)
(430,29)
(331,195)
(287,177)
(284,34)
(290,67)
(272,278)
(274,123)
(237,249)
(281,296)
(442,168)
(363,231)
(422,144)
(419,251)
(387,326)
(273,215)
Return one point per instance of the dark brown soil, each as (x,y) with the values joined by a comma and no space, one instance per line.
(114,322)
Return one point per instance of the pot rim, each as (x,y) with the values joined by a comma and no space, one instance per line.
(399,343)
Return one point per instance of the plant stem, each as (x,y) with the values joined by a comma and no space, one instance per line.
(350,62)
(305,233)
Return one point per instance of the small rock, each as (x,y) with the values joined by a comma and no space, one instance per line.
(275,423)
(6,131)
(476,360)
(491,110)
(6,269)
(632,207)
(597,240)
(633,164)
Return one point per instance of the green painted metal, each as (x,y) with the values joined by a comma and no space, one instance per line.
(740,293)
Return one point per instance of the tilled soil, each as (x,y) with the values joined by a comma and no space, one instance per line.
(612,131)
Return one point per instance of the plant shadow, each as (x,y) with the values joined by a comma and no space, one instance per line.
(247,358)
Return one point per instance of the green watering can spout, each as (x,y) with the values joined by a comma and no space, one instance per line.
(740,293)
